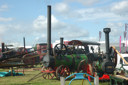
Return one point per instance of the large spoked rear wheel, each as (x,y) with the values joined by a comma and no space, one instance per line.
(62,71)
(48,75)
(82,67)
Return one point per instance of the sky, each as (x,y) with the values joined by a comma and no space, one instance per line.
(71,19)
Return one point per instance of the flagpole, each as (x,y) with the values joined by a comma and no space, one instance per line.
(126,45)
(120,44)
(126,37)
(99,35)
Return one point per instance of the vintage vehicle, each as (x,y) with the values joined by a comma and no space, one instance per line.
(72,58)
(17,57)
(75,57)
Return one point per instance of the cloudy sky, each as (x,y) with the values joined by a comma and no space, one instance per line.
(71,19)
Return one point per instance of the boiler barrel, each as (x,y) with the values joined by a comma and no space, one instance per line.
(70,60)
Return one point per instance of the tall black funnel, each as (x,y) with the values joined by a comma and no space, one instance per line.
(107,31)
(107,66)
(3,47)
(48,60)
(49,30)
(61,42)
(24,43)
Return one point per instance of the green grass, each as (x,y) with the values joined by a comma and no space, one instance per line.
(22,80)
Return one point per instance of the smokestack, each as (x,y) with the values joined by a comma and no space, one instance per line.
(24,43)
(106,31)
(48,60)
(107,66)
(3,49)
(61,42)
(49,30)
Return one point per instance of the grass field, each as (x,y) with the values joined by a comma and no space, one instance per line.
(22,80)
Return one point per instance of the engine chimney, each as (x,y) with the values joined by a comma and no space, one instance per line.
(49,30)
(24,43)
(107,66)
(107,31)
(48,59)
(61,42)
(3,47)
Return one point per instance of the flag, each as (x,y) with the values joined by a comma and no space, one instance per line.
(126,27)
(125,34)
(99,35)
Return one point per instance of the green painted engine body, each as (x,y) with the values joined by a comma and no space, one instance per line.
(70,60)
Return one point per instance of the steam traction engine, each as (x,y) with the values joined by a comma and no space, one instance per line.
(75,57)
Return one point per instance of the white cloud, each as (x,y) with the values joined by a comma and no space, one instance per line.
(59,29)
(2,29)
(97,14)
(86,3)
(14,26)
(61,8)
(41,23)
(2,19)
(116,29)
(40,39)
(14,32)
(120,8)
(71,14)
(112,12)
(91,38)
(15,44)
(74,33)
(3,7)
